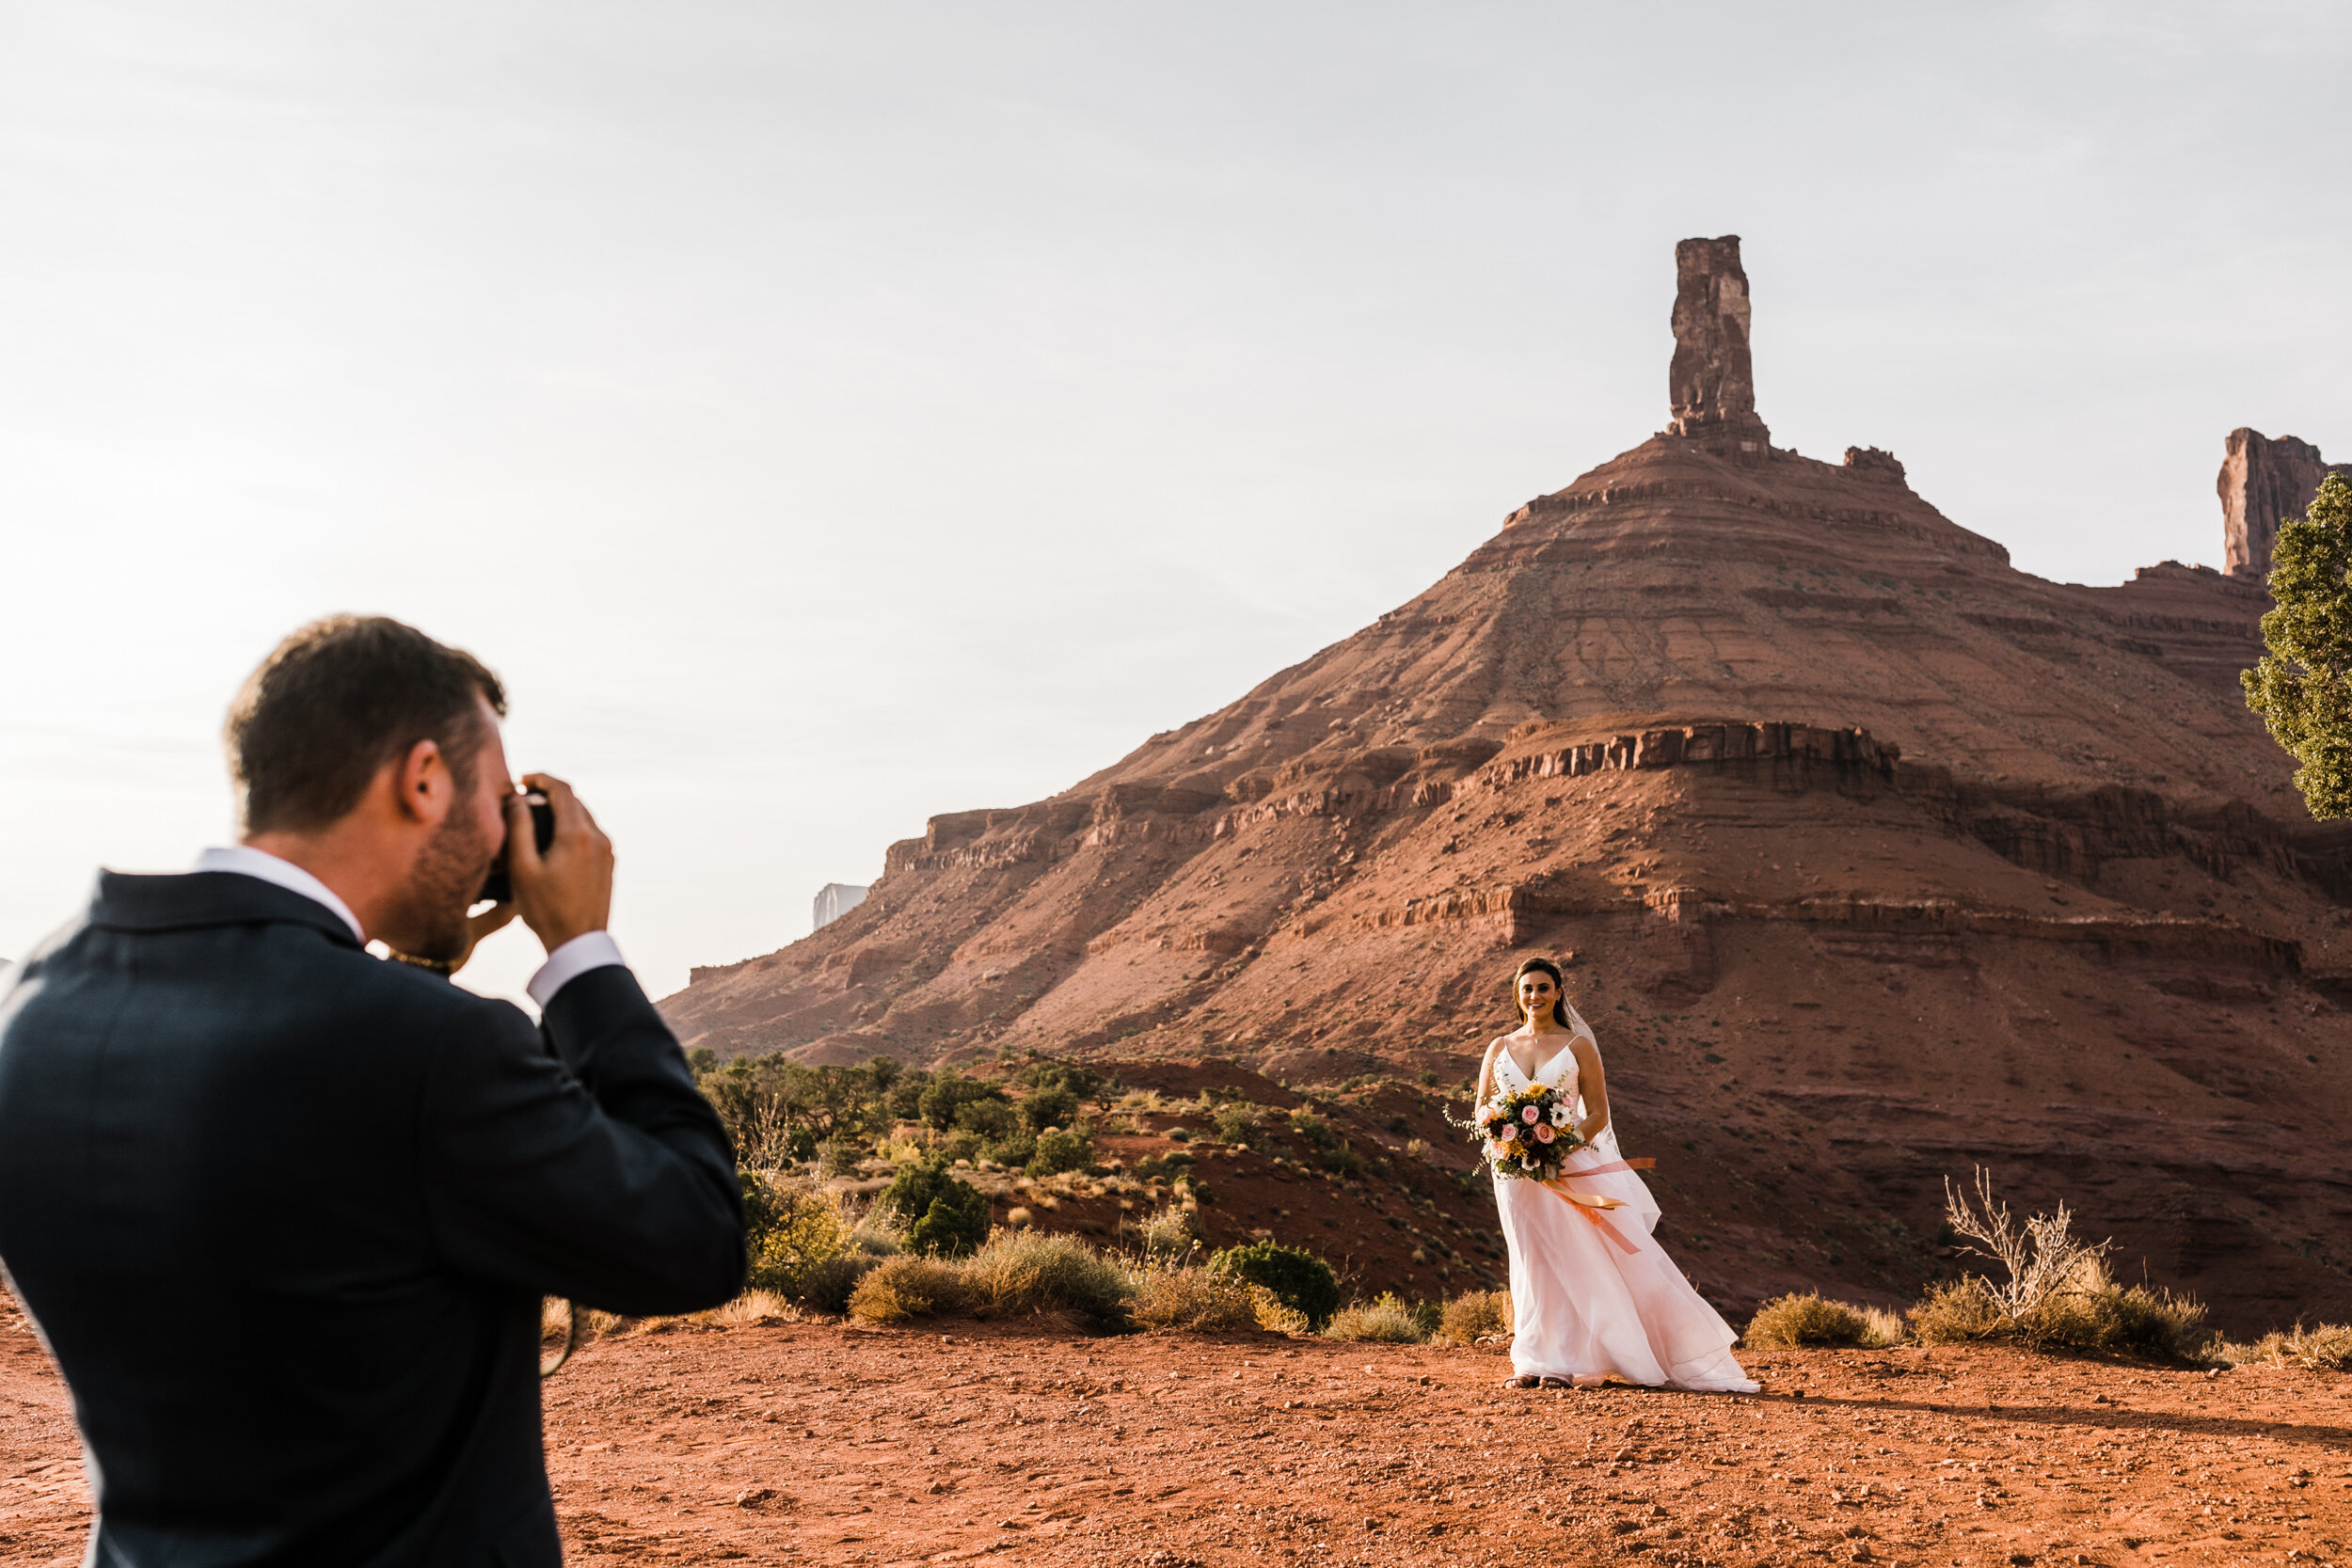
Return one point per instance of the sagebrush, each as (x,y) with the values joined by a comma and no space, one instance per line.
(1794,1322)
(2326,1348)
(1388,1319)
(1192,1300)
(1476,1315)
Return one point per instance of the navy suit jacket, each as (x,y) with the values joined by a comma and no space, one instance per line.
(285,1214)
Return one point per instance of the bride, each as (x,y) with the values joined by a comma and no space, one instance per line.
(1593,1296)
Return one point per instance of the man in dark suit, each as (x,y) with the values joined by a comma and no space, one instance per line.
(284,1212)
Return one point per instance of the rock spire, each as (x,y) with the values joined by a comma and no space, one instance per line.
(1712,381)
(2261,481)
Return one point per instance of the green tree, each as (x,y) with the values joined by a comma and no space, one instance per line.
(950,1092)
(1063,1149)
(942,1215)
(779,1111)
(905,1094)
(990,1119)
(2302,687)
(1056,1106)
(1299,1279)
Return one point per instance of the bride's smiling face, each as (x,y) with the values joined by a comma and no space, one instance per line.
(1537,994)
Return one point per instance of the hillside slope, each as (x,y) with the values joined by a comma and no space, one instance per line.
(1844,826)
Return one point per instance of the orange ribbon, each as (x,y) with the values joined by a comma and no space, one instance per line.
(1592,1206)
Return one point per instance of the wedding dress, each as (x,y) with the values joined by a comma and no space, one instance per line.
(1593,1295)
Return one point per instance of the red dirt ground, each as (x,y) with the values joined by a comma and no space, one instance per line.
(816,1443)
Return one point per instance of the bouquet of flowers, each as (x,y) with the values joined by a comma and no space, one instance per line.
(1526,1135)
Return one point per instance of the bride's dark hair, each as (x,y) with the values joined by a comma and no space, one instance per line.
(1559,1003)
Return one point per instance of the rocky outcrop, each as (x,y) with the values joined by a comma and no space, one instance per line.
(1813,793)
(833,900)
(2262,482)
(1711,383)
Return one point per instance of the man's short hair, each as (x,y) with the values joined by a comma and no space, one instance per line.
(338,699)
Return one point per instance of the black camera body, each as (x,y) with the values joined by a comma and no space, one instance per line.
(499,888)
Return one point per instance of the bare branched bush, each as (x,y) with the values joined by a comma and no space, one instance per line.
(2058,1294)
(2042,1257)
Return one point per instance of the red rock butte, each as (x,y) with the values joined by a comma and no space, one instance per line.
(1870,859)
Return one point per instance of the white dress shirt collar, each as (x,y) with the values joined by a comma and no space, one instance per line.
(565,965)
(245,860)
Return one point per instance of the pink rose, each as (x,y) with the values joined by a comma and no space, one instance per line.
(1544,1135)
(1531,1115)
(1509,1133)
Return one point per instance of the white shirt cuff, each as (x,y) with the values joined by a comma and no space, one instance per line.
(570,961)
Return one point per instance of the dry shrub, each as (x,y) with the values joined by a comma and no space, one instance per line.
(902,1289)
(2129,1319)
(1165,1235)
(1476,1315)
(2327,1347)
(1957,1312)
(1020,1272)
(827,1287)
(2059,1295)
(1386,1320)
(792,1226)
(750,1310)
(2042,1257)
(1275,1316)
(1792,1321)
(1193,1301)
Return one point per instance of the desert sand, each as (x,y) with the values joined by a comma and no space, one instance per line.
(823,1443)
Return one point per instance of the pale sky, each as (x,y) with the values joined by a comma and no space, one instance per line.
(829,416)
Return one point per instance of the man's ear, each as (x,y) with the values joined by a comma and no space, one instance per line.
(423,788)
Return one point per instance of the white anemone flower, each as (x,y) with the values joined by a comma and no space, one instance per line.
(1559,1116)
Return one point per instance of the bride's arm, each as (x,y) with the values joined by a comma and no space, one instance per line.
(1593,1086)
(1487,1074)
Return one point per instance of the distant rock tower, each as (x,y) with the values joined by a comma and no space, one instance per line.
(1712,381)
(2261,481)
(835,900)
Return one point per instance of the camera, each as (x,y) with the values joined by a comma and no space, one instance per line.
(499,888)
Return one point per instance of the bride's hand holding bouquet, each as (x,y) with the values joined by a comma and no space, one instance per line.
(1528,1135)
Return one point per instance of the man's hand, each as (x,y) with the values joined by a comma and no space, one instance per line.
(567,890)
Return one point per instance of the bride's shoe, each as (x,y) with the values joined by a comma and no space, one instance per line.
(1525,1380)
(1557,1383)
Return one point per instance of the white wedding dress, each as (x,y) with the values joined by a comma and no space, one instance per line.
(1587,1306)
